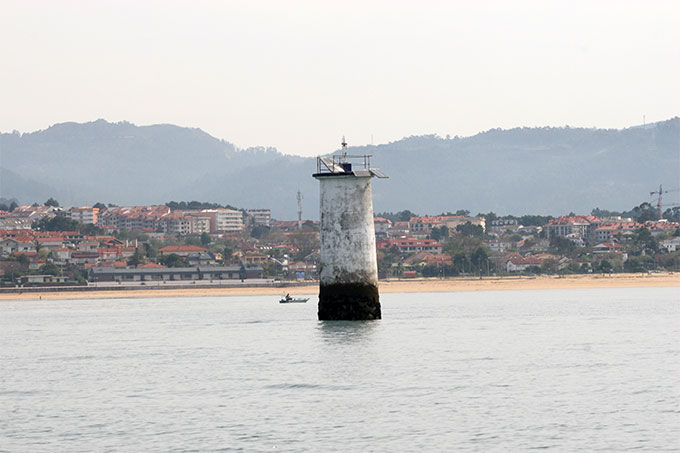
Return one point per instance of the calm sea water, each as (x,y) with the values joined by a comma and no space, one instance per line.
(487,371)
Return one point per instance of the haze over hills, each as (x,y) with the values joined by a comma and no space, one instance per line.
(518,171)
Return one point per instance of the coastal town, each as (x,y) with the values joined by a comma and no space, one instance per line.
(46,244)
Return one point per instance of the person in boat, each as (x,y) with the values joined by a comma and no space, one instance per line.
(288,296)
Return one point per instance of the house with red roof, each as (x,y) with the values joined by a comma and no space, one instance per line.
(422,226)
(88,246)
(521,263)
(150,266)
(84,257)
(661,226)
(63,254)
(51,242)
(181,250)
(36,264)
(429,259)
(14,232)
(410,245)
(108,253)
(607,247)
(381,226)
(572,226)
(398,229)
(607,232)
(126,252)
(250,257)
(17,244)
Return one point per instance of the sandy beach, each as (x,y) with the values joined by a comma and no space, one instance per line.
(387,286)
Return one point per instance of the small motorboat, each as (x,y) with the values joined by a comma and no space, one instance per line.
(293,300)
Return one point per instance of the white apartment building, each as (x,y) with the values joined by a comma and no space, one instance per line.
(228,220)
(84,214)
(184,224)
(178,225)
(261,216)
(200,224)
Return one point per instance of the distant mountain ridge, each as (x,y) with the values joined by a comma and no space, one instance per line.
(523,170)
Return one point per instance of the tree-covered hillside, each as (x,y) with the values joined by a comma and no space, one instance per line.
(522,170)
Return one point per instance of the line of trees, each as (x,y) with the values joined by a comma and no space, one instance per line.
(194,205)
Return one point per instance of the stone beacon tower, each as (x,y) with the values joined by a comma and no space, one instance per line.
(348,274)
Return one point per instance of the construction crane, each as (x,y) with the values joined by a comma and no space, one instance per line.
(660,192)
(659,205)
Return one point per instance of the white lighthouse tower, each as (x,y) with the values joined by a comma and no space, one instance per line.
(348,288)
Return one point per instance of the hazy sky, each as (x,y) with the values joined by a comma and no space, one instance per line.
(298,75)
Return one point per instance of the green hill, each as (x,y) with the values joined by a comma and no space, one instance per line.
(522,170)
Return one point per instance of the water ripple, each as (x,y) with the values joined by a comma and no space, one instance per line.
(503,371)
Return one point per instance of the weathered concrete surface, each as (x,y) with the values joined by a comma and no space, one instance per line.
(347,233)
(348,267)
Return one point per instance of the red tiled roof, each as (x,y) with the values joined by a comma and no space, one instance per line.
(407,242)
(618,226)
(255,255)
(182,248)
(429,258)
(50,239)
(151,265)
(28,254)
(573,220)
(534,259)
(608,245)
(431,219)
(25,239)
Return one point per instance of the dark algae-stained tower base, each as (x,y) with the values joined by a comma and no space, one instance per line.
(349,302)
(348,276)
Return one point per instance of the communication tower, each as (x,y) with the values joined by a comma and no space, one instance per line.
(299,202)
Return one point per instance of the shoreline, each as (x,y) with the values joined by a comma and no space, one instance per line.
(431,285)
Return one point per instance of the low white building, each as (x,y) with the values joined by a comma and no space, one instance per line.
(499,246)
(671,245)
(41,279)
